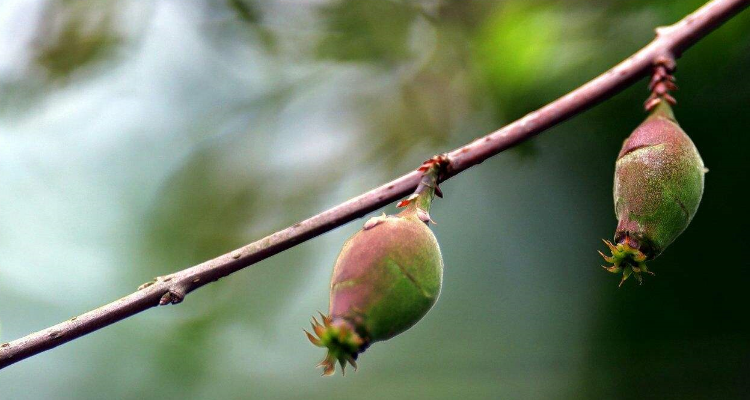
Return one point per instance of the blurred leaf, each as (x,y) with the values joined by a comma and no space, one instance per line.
(518,43)
(248,12)
(366,30)
(202,211)
(245,10)
(75,34)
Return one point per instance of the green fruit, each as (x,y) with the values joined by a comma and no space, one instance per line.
(658,186)
(386,278)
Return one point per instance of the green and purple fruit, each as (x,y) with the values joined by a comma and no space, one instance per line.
(658,186)
(386,278)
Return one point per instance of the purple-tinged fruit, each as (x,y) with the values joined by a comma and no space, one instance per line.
(386,278)
(658,186)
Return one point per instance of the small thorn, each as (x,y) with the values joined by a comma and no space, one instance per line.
(438,192)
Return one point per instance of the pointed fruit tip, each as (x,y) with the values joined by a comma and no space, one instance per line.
(339,338)
(626,259)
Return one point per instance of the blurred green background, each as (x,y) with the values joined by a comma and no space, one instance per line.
(141,137)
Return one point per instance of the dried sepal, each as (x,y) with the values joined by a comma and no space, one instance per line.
(339,338)
(351,361)
(606,258)
(326,319)
(329,366)
(313,339)
(613,269)
(318,329)
(626,260)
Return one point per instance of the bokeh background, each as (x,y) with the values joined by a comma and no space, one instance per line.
(141,137)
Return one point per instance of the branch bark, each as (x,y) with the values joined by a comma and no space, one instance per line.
(670,42)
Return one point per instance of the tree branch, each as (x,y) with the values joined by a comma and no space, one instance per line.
(670,42)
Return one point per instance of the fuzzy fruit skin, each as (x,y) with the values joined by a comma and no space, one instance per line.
(659,179)
(387,276)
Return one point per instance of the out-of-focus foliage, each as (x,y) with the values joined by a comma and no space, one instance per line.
(367,30)
(72,34)
(141,137)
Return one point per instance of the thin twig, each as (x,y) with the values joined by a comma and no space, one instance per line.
(670,42)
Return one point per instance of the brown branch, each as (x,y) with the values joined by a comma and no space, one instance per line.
(670,42)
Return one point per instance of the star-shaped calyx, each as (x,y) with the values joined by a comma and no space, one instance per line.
(342,342)
(626,259)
